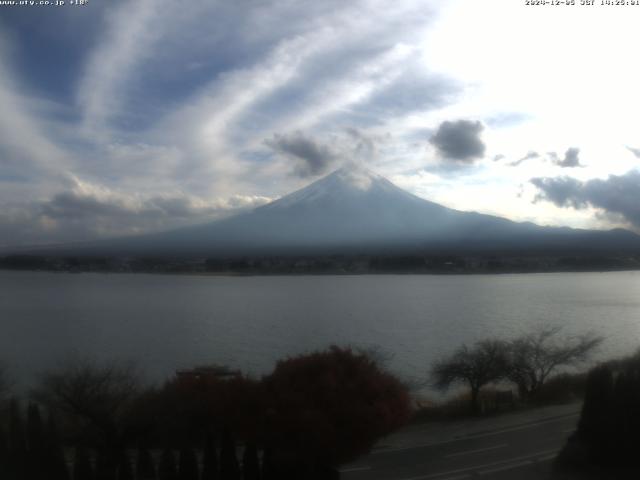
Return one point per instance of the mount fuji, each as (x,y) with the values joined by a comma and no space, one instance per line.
(353,211)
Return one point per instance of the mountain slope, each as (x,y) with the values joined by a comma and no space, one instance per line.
(356,211)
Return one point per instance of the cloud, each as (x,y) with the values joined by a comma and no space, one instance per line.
(507,119)
(553,157)
(362,147)
(562,191)
(25,148)
(616,195)
(412,90)
(309,156)
(459,140)
(132,31)
(570,159)
(88,212)
(635,151)
(306,156)
(529,156)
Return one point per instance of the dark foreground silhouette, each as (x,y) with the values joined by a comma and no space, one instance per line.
(605,444)
(310,415)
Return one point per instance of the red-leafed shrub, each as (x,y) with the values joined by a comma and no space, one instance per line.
(201,401)
(327,408)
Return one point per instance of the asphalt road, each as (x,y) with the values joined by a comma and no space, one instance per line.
(520,451)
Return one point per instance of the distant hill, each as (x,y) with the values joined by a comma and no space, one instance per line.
(356,211)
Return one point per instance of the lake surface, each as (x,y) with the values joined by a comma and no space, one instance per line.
(164,322)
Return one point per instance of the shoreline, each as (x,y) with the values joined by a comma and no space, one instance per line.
(320,274)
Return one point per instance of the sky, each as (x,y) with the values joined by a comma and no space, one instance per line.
(121,117)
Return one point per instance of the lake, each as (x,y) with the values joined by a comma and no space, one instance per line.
(165,322)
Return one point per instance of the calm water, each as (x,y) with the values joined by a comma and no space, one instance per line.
(164,322)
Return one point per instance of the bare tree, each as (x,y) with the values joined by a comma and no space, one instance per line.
(383,358)
(475,366)
(533,357)
(91,396)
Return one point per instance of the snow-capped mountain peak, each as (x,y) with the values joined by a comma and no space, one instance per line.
(357,177)
(356,210)
(344,184)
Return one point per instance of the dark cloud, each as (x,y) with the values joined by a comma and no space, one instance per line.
(529,156)
(311,157)
(459,141)
(635,151)
(617,195)
(570,159)
(563,191)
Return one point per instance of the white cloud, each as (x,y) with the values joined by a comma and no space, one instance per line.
(87,211)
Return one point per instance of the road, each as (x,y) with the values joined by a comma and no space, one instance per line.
(522,449)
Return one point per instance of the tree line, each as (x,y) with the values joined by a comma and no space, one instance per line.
(313,413)
(526,361)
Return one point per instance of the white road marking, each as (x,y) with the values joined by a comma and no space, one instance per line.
(546,458)
(515,461)
(469,452)
(478,435)
(505,467)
